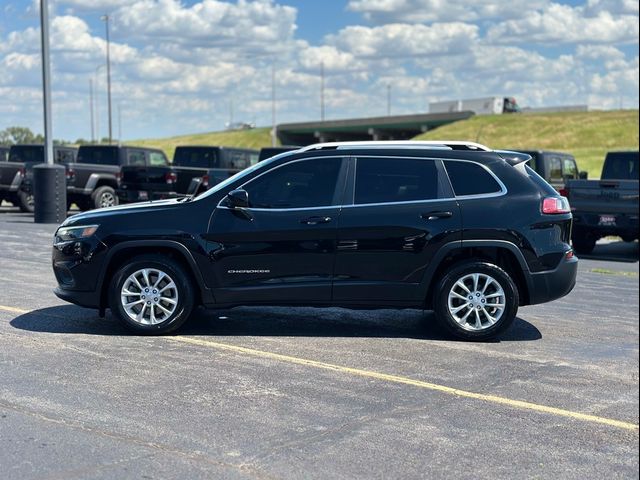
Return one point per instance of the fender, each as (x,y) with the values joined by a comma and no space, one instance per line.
(426,283)
(206,293)
(93,180)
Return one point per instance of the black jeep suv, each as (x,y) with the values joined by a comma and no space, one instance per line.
(449,226)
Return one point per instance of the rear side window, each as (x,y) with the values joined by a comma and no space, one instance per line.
(309,183)
(195,157)
(621,166)
(468,178)
(386,180)
(98,155)
(25,153)
(64,156)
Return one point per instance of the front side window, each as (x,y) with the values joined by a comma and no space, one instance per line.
(469,178)
(555,168)
(135,158)
(570,170)
(157,159)
(303,184)
(388,180)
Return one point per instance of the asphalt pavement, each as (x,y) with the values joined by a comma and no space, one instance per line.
(315,393)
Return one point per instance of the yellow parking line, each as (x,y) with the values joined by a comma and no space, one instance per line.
(408,381)
(13,309)
(394,379)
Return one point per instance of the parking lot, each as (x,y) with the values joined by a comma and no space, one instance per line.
(316,393)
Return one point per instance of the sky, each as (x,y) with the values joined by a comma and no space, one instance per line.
(181,67)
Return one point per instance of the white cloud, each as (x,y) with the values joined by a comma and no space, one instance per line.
(565,24)
(421,11)
(401,40)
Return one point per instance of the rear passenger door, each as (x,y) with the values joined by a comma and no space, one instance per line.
(400,214)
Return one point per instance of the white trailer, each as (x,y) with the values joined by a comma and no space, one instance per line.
(480,106)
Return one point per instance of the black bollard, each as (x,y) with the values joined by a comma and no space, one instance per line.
(50,193)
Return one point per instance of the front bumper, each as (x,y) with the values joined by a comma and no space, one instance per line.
(553,284)
(83,299)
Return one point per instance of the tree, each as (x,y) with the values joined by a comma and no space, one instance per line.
(14,135)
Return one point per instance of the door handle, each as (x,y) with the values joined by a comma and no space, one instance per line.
(436,215)
(315,220)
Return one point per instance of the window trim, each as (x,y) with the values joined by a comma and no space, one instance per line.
(503,188)
(342,176)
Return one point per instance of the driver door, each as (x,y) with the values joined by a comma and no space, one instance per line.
(281,248)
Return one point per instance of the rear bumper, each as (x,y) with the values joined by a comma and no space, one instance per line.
(553,284)
(591,223)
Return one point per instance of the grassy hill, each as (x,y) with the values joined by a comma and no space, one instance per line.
(254,138)
(586,135)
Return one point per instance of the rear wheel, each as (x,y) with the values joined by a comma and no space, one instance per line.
(583,243)
(103,197)
(476,300)
(25,201)
(151,294)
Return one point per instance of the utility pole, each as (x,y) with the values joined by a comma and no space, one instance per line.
(273,105)
(322,91)
(106,19)
(388,99)
(97,98)
(93,133)
(49,180)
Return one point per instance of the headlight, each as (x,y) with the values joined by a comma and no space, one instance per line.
(65,234)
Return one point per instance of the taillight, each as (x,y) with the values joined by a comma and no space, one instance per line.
(564,192)
(71,174)
(119,178)
(170,177)
(21,171)
(555,205)
(205,181)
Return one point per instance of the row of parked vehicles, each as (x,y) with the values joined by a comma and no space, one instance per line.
(105,175)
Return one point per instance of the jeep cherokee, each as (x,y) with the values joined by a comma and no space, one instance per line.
(452,227)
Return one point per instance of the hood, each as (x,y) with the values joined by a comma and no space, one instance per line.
(95,216)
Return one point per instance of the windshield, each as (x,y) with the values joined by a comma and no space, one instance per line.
(219,186)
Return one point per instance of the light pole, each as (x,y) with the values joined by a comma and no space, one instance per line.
(95,74)
(322,91)
(273,105)
(106,19)
(93,132)
(49,181)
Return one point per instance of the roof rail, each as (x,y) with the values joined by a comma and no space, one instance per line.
(431,144)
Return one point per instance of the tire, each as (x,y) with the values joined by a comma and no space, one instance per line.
(628,238)
(500,289)
(154,315)
(583,244)
(25,202)
(103,197)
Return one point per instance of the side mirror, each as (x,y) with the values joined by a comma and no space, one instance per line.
(583,175)
(238,198)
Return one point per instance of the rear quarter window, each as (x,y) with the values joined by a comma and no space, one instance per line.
(468,178)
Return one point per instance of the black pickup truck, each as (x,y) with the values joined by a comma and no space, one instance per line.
(94,177)
(194,170)
(557,168)
(608,206)
(16,174)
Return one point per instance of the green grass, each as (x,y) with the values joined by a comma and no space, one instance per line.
(254,138)
(586,135)
(606,271)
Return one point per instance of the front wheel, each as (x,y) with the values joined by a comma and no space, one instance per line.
(476,301)
(151,294)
